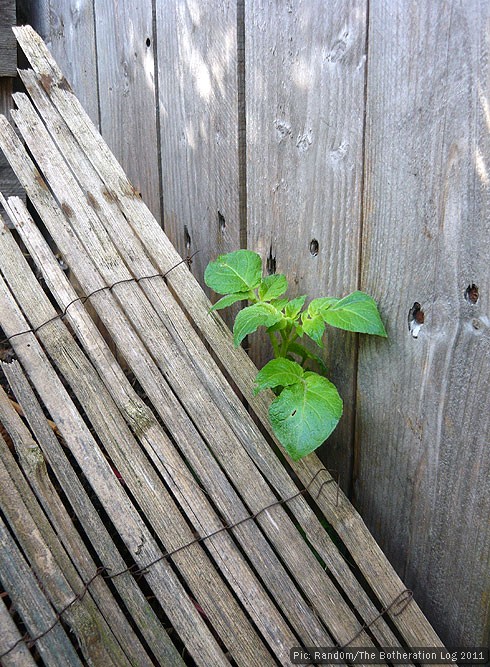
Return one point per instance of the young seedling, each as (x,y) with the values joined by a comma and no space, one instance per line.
(307,407)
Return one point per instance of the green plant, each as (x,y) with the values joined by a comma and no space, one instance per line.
(307,406)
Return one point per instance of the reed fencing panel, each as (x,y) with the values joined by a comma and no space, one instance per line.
(348,143)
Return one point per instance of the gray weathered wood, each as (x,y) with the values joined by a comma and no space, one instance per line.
(305,78)
(178,476)
(31,602)
(71,39)
(197,77)
(171,467)
(131,528)
(179,366)
(8,46)
(175,359)
(427,115)
(96,224)
(89,518)
(338,511)
(9,185)
(10,635)
(423,419)
(33,464)
(48,559)
(125,47)
(141,479)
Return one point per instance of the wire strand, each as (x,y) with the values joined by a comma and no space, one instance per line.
(403,598)
(86,297)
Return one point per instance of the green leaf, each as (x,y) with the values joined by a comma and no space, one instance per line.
(278,373)
(294,306)
(230,299)
(314,327)
(251,318)
(355,312)
(279,303)
(317,306)
(238,271)
(272,286)
(305,414)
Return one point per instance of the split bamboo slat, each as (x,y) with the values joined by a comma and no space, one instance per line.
(219,542)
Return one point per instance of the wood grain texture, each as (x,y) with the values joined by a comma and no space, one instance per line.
(94,528)
(9,184)
(123,514)
(197,70)
(71,40)
(335,507)
(176,475)
(8,46)
(422,465)
(305,66)
(10,635)
(48,559)
(31,602)
(423,481)
(33,464)
(102,237)
(125,66)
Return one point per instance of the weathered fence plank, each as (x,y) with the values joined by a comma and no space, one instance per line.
(143,482)
(10,635)
(423,482)
(305,113)
(8,46)
(8,70)
(169,465)
(221,547)
(48,559)
(198,98)
(180,369)
(336,565)
(139,541)
(127,96)
(71,39)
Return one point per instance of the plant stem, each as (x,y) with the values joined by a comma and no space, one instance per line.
(275,344)
(285,341)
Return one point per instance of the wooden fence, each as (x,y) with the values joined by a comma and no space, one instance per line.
(194,519)
(348,143)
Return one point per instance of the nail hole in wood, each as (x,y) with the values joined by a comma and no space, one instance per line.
(471,293)
(271,262)
(415,319)
(187,238)
(314,247)
(221,222)
(148,41)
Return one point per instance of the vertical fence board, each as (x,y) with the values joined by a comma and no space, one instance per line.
(197,69)
(423,417)
(71,40)
(125,61)
(8,46)
(305,67)
(8,69)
